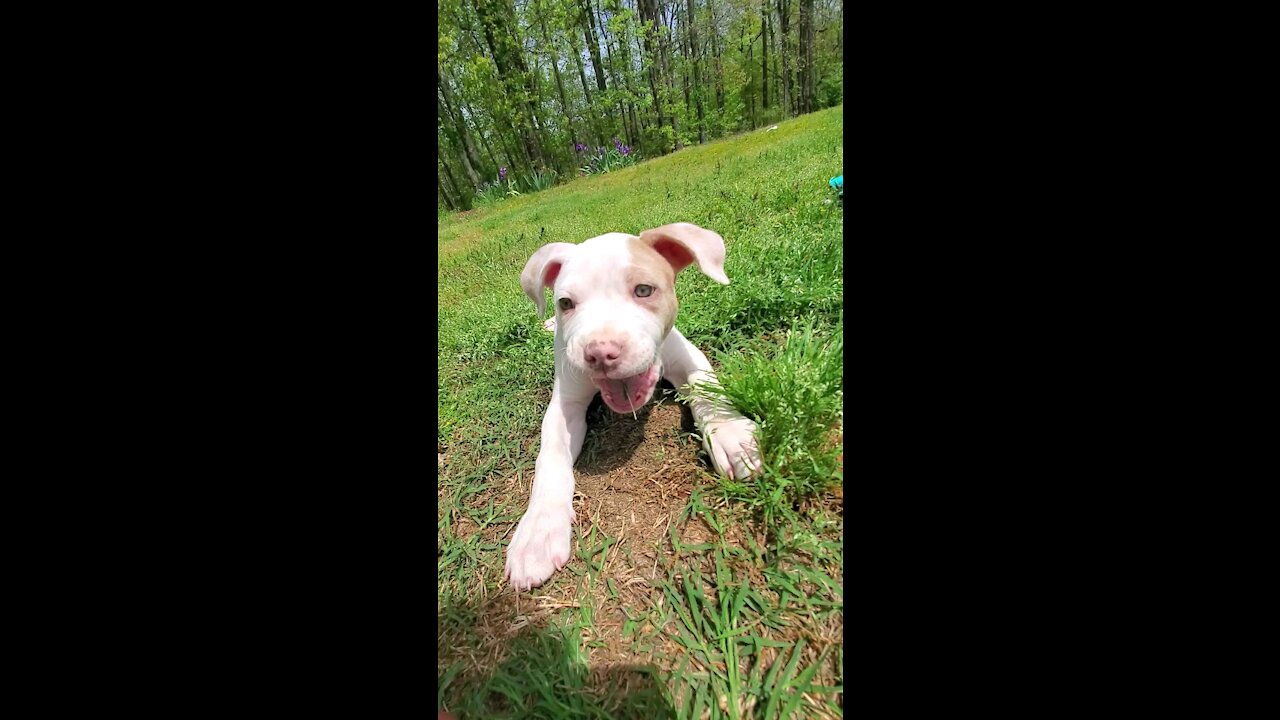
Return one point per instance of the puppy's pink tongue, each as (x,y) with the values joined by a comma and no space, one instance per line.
(615,390)
(624,392)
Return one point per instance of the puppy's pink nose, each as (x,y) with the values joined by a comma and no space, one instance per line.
(602,354)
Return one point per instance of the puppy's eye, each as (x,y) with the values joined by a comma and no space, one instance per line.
(565,304)
(644,290)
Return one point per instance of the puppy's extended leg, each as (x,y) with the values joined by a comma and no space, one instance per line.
(729,437)
(540,545)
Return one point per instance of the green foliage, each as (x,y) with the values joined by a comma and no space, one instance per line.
(540,180)
(661,137)
(488,194)
(831,90)
(795,394)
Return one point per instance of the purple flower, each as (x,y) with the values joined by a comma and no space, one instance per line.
(625,150)
(502,173)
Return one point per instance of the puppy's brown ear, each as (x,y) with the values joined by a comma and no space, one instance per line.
(541,271)
(682,244)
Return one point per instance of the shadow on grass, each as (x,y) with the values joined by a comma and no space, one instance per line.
(490,671)
(504,657)
(612,439)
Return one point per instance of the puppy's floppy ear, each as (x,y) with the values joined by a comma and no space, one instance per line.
(683,243)
(541,271)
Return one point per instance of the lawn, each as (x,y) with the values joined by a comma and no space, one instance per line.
(689,596)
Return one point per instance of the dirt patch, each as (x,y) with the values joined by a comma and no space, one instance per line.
(633,478)
(641,473)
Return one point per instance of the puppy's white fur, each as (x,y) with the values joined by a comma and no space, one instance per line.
(612,340)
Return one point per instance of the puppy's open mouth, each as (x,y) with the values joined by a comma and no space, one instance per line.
(626,395)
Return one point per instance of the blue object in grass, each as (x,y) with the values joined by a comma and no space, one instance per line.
(837,183)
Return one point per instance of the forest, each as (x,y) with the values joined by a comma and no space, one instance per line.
(535,92)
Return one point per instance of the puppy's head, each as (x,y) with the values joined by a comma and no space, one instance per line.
(615,302)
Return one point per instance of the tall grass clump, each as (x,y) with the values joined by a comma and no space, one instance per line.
(795,395)
(540,180)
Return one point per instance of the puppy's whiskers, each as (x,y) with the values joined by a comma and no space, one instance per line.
(571,367)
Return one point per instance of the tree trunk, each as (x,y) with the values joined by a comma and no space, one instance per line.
(589,35)
(697,75)
(589,113)
(555,69)
(535,135)
(463,200)
(484,141)
(495,18)
(611,68)
(684,71)
(764,54)
(440,192)
(806,20)
(784,8)
(713,32)
(459,122)
(667,14)
(812,63)
(719,73)
(512,149)
(582,73)
(648,14)
(453,135)
(533,106)
(623,48)
(751,110)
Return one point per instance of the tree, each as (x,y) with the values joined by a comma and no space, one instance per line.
(806,56)
(784,11)
(663,73)
(446,108)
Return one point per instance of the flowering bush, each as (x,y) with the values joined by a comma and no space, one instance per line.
(602,160)
(491,192)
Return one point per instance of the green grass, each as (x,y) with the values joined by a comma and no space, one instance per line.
(734,611)
(793,392)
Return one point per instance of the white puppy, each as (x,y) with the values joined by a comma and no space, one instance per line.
(615,307)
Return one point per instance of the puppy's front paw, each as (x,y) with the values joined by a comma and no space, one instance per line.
(732,446)
(540,545)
